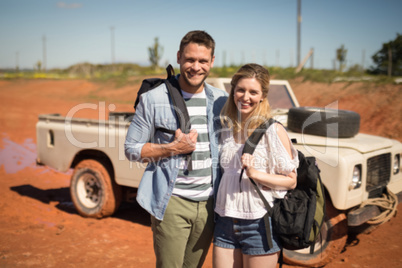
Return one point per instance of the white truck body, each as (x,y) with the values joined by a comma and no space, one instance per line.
(61,141)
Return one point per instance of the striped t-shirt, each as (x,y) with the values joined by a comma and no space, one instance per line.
(196,184)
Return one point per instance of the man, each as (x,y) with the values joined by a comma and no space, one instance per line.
(180,199)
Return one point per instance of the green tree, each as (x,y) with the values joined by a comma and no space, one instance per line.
(39,66)
(341,57)
(155,53)
(388,60)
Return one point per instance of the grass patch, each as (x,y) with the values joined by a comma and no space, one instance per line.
(125,74)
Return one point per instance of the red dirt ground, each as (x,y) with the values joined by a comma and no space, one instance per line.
(39,226)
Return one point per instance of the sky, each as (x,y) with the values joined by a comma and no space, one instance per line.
(260,31)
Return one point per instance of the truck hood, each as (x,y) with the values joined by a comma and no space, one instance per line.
(363,143)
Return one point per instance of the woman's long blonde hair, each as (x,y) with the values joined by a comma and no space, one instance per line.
(229,114)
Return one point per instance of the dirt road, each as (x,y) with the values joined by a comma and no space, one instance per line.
(39,226)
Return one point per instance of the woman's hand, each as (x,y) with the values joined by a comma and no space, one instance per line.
(267,180)
(247,161)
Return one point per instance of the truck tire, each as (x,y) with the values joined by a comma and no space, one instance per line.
(92,190)
(328,246)
(331,123)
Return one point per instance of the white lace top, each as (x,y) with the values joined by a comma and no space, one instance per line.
(270,156)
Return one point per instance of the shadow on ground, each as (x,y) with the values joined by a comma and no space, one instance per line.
(132,212)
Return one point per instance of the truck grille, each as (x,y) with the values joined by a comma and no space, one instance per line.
(378,174)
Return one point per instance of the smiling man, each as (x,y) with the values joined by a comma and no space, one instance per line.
(195,60)
(180,199)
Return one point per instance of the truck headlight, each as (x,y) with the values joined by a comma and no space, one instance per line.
(356,178)
(397,164)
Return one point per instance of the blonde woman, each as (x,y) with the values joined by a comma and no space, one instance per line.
(240,237)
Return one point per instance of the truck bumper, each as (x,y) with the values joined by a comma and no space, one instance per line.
(361,215)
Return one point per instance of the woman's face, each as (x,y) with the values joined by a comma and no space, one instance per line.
(247,96)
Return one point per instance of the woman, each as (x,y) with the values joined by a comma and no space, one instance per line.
(240,236)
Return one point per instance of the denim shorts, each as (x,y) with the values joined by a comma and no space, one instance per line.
(247,235)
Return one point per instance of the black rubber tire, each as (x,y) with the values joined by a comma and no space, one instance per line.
(331,123)
(92,190)
(333,238)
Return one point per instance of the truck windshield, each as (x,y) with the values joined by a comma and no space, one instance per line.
(279,98)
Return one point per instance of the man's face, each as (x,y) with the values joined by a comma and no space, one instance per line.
(195,63)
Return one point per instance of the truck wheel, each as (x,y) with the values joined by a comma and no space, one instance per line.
(93,192)
(332,123)
(328,246)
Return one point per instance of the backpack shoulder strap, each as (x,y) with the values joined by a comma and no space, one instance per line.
(249,148)
(267,215)
(254,139)
(179,107)
(151,83)
(256,136)
(179,104)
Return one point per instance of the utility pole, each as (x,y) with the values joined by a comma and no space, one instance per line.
(291,57)
(312,59)
(309,54)
(264,58)
(112,43)
(17,56)
(299,20)
(44,52)
(277,57)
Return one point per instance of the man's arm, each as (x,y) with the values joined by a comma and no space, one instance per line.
(137,146)
(182,144)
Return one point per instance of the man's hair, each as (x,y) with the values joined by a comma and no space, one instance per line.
(200,38)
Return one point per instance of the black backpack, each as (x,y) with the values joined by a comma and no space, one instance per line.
(176,98)
(297,218)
